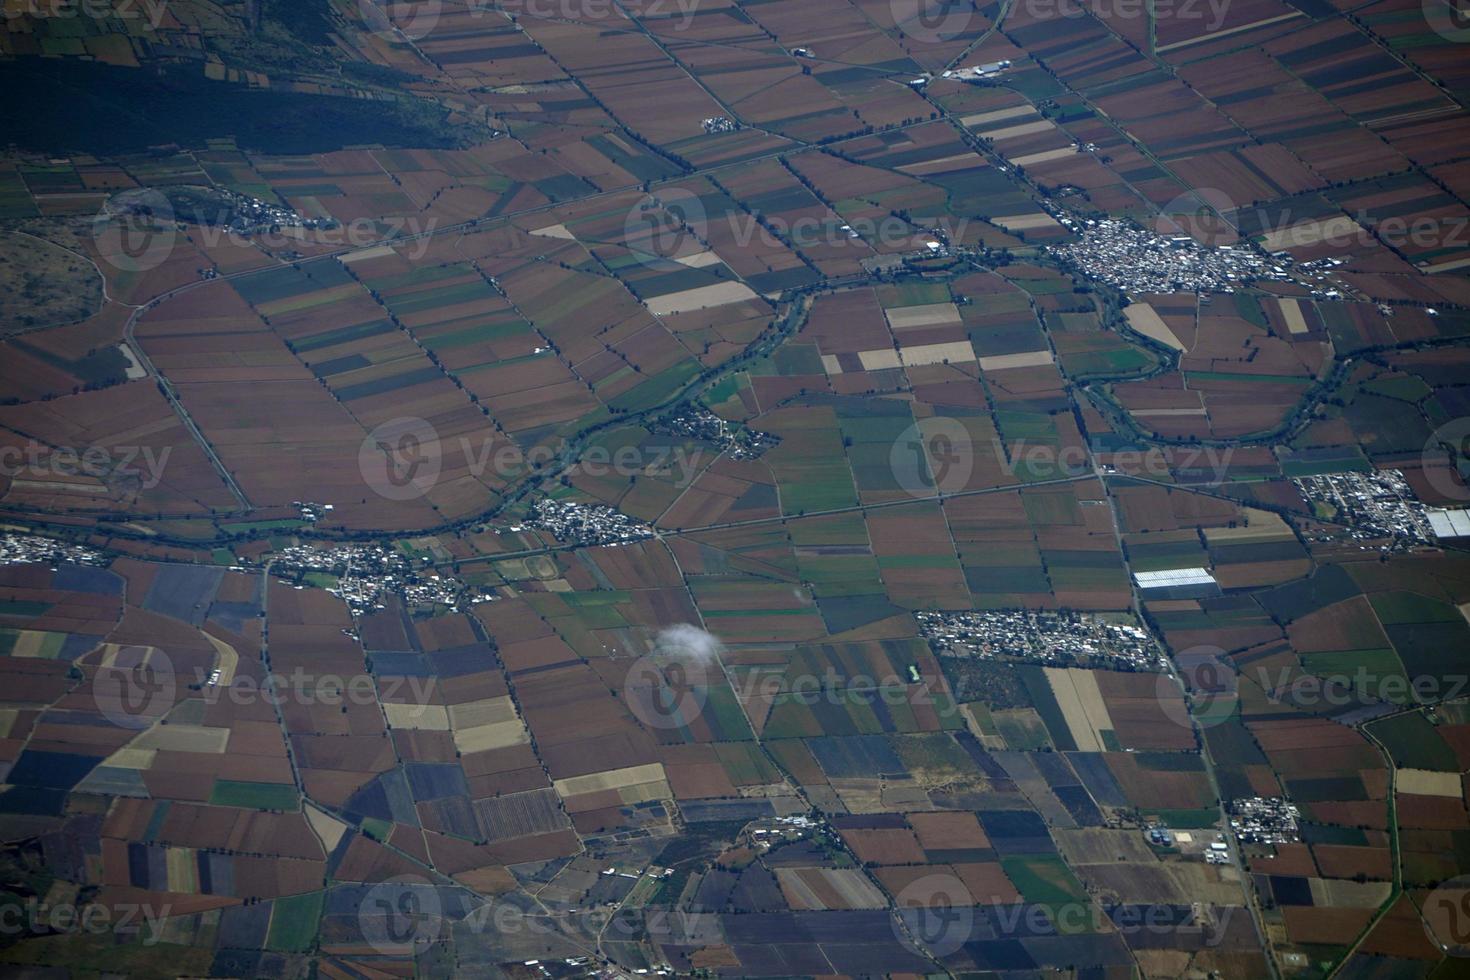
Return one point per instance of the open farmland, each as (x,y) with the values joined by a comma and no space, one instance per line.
(734,489)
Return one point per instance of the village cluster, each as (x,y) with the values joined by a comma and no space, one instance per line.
(310,511)
(771,831)
(252,214)
(367,573)
(1138,261)
(26,549)
(1372,506)
(1054,639)
(574,523)
(740,442)
(1264,820)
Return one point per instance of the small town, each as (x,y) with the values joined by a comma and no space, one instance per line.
(1053,639)
(366,573)
(772,831)
(29,549)
(1138,261)
(1264,820)
(574,523)
(1373,506)
(311,512)
(251,214)
(740,442)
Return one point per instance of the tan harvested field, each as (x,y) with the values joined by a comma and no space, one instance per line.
(183,738)
(615,779)
(879,360)
(1291,310)
(426,717)
(1082,706)
(997,115)
(922,316)
(495,735)
(1146,320)
(1019,129)
(486,712)
(958,351)
(1025,222)
(1263,526)
(1044,156)
(1026,359)
(720,294)
(1423,782)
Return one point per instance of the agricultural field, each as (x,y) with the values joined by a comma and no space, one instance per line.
(656,489)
